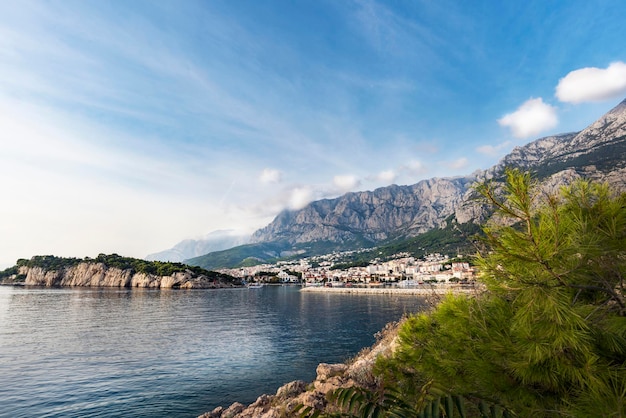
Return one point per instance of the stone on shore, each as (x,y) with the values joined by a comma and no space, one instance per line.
(330,377)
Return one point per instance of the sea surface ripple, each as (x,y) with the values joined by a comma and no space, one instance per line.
(99,352)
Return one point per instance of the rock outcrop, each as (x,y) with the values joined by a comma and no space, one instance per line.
(90,274)
(374,216)
(330,377)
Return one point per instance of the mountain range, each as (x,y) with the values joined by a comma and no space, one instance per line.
(398,213)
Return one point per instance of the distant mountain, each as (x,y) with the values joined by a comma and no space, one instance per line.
(374,216)
(396,213)
(190,248)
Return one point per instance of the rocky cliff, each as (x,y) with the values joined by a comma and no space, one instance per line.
(598,153)
(90,274)
(374,216)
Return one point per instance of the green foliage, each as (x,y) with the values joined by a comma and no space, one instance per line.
(363,403)
(430,402)
(346,266)
(159,268)
(453,239)
(240,256)
(548,337)
(11,271)
(13,274)
(49,262)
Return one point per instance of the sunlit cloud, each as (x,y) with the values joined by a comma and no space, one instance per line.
(593,84)
(300,197)
(270,176)
(531,118)
(414,167)
(387,176)
(346,182)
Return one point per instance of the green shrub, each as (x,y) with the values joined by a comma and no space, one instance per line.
(548,337)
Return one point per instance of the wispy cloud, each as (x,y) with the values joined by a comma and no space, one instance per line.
(414,168)
(458,164)
(270,176)
(493,150)
(531,118)
(593,84)
(163,119)
(386,176)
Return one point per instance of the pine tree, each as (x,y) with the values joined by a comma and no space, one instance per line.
(548,337)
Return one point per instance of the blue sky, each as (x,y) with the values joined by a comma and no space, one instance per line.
(128,126)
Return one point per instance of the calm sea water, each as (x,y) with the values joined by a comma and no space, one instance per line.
(172,353)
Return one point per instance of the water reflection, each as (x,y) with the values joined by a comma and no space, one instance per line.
(144,352)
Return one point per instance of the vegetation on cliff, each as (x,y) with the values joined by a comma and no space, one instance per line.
(547,337)
(157,268)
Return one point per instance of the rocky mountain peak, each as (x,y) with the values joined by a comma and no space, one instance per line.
(597,152)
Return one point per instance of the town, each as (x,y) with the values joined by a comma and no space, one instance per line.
(401,270)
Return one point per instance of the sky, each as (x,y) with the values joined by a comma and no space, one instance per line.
(126,127)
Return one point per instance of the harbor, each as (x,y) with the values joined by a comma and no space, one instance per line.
(419,291)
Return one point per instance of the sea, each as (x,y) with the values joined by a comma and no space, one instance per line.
(116,352)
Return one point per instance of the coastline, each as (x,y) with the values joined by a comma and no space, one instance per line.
(419,291)
(291,397)
(354,372)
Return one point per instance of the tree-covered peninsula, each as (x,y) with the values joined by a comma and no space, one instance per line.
(112,270)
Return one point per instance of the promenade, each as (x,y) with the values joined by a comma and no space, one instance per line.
(419,291)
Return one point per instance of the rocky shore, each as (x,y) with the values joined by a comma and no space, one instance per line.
(90,274)
(288,398)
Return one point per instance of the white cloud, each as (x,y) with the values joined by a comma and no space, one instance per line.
(346,182)
(493,150)
(458,163)
(593,84)
(270,175)
(531,118)
(387,176)
(414,167)
(300,197)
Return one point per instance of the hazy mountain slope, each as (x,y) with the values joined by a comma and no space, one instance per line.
(190,248)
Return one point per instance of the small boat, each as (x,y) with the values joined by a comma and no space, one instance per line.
(255,285)
(313,284)
(335,283)
(408,283)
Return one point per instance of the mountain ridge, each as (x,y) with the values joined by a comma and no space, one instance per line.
(401,212)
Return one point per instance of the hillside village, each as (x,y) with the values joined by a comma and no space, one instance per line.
(401,270)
